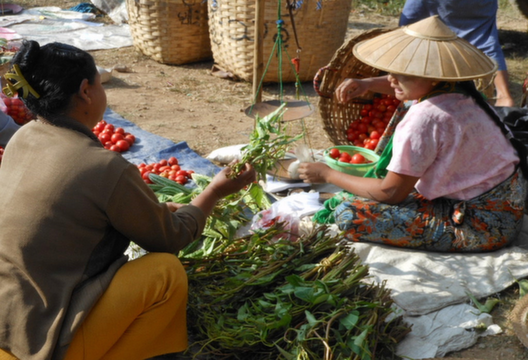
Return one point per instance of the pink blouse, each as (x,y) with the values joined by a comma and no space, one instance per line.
(453,146)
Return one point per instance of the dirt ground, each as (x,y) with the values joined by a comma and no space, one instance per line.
(187,103)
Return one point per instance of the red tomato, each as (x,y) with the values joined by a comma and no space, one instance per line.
(182,173)
(368,107)
(180,179)
(357,159)
(115,148)
(119,130)
(375,135)
(363,112)
(358,142)
(99,127)
(334,153)
(352,136)
(344,157)
(382,107)
(145,175)
(116,137)
(366,120)
(175,167)
(130,138)
(105,137)
(370,145)
(362,128)
(109,127)
(123,145)
(163,162)
(173,161)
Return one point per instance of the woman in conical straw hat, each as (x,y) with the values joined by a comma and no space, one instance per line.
(454,179)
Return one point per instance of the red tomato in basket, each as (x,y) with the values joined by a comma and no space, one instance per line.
(334,153)
(357,159)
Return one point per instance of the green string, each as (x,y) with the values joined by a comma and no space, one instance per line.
(279,41)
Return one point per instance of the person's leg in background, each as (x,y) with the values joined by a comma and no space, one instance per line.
(503,96)
(141,315)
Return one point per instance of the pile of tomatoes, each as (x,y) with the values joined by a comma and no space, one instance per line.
(168,168)
(366,130)
(115,139)
(345,157)
(17,110)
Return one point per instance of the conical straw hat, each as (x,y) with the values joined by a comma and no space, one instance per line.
(428,49)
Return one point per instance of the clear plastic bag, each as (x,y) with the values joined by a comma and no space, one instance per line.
(286,214)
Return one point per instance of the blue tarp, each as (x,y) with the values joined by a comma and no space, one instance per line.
(150,148)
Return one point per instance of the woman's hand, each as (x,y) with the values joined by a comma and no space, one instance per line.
(349,89)
(223,185)
(314,173)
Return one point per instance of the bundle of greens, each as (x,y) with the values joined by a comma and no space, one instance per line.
(229,214)
(268,143)
(263,298)
(287,300)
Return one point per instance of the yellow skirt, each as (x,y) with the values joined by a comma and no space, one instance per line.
(142,314)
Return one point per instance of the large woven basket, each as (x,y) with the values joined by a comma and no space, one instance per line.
(170,31)
(337,116)
(321,27)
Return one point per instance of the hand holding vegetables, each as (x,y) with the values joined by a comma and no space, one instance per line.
(222,185)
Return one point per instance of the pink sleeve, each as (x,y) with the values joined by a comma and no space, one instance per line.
(415,144)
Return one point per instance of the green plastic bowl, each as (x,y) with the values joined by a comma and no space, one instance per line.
(352,169)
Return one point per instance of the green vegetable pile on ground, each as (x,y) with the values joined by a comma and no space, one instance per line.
(259,299)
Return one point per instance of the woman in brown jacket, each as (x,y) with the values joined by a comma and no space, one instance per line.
(70,210)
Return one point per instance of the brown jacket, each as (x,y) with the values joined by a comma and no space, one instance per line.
(69,210)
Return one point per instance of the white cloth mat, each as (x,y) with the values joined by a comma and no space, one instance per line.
(431,290)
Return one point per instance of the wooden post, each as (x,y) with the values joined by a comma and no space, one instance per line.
(258,64)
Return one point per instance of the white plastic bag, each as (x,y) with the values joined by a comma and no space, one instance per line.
(286,214)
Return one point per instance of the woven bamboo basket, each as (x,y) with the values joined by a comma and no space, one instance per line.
(336,116)
(170,31)
(320,25)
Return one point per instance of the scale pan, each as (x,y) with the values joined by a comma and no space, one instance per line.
(295,109)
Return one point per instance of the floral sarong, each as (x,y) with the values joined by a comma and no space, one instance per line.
(485,223)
